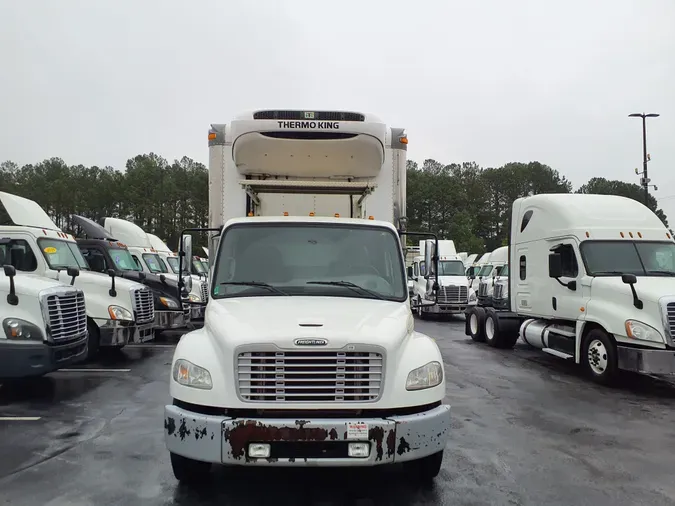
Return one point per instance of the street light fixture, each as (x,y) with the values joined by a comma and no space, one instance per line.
(645,156)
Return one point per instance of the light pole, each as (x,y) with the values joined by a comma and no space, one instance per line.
(645,156)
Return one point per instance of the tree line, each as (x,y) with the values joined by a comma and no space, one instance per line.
(464,202)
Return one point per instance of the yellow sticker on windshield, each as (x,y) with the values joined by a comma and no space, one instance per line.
(50,250)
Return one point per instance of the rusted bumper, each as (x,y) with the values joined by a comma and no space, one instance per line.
(317,442)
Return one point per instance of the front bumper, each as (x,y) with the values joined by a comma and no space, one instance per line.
(446,307)
(119,333)
(646,361)
(166,320)
(25,359)
(313,442)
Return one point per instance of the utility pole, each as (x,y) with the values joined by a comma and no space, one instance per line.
(644,180)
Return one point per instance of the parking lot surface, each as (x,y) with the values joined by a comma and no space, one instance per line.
(528,429)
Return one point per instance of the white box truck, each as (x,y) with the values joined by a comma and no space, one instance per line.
(591,279)
(308,355)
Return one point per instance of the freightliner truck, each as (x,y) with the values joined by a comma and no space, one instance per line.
(308,355)
(591,278)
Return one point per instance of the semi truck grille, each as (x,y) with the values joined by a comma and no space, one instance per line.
(67,315)
(482,289)
(670,311)
(144,305)
(453,294)
(205,291)
(185,302)
(310,115)
(310,376)
(498,291)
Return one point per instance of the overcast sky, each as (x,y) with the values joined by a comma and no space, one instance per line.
(491,81)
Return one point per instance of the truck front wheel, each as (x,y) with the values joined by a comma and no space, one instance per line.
(599,357)
(425,469)
(188,470)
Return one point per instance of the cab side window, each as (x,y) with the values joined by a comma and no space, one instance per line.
(570,267)
(423,269)
(19,254)
(138,263)
(95,259)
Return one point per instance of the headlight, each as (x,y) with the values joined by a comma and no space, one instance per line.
(195,298)
(642,332)
(427,376)
(19,330)
(190,375)
(120,313)
(170,303)
(472,296)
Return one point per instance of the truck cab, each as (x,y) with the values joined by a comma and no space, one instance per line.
(43,323)
(159,308)
(36,245)
(490,272)
(474,270)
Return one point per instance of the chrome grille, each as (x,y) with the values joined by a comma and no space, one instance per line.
(205,291)
(482,289)
(66,315)
(310,376)
(185,302)
(453,293)
(670,313)
(143,304)
(498,291)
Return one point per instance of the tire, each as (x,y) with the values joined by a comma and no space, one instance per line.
(475,324)
(94,340)
(500,333)
(189,471)
(599,357)
(424,470)
(491,326)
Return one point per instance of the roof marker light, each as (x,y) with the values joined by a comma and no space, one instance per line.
(371,217)
(250,214)
(622,234)
(587,234)
(403,139)
(312,213)
(630,234)
(212,136)
(285,213)
(337,215)
(640,235)
(667,235)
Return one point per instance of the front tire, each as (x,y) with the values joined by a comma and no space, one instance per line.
(599,357)
(189,471)
(94,341)
(425,469)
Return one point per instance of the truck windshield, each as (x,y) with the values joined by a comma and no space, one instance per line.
(505,271)
(485,270)
(173,264)
(62,254)
(298,259)
(642,258)
(152,260)
(198,267)
(451,268)
(123,259)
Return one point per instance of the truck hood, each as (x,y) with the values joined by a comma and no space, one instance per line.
(27,284)
(153,281)
(340,320)
(650,288)
(453,281)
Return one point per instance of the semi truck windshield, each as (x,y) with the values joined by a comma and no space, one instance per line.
(300,259)
(451,268)
(642,258)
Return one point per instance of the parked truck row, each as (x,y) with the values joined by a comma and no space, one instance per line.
(63,298)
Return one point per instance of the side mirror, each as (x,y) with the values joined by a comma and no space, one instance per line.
(186,253)
(73,272)
(555,265)
(112,291)
(629,279)
(162,278)
(10,272)
(187,283)
(430,258)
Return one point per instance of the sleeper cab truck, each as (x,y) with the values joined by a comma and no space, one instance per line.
(593,281)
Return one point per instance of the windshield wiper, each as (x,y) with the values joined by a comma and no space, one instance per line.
(255,283)
(665,273)
(616,273)
(347,284)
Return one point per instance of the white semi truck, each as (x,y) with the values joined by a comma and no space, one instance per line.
(308,355)
(591,279)
(490,272)
(43,323)
(454,292)
(37,246)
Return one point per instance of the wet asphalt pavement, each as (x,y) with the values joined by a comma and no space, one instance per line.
(528,429)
